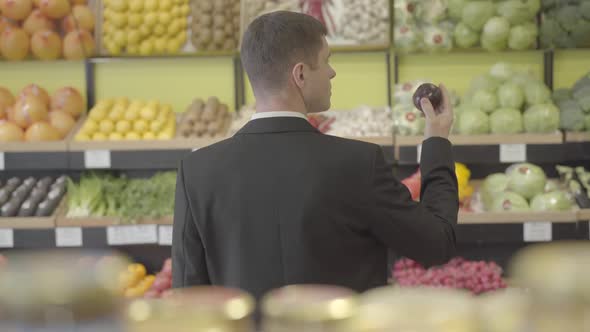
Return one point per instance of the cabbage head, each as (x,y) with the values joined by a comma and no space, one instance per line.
(492,185)
(506,121)
(485,82)
(543,118)
(523,37)
(496,30)
(526,179)
(536,93)
(509,201)
(473,123)
(519,11)
(456,9)
(477,13)
(510,95)
(552,201)
(502,71)
(493,45)
(464,36)
(485,100)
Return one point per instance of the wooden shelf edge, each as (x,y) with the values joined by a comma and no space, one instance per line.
(28,222)
(575,137)
(517,217)
(491,139)
(24,147)
(584,215)
(107,221)
(146,145)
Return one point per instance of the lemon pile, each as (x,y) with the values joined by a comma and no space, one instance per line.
(121,119)
(144,27)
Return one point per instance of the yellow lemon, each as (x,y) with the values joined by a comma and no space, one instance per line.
(133,37)
(117,113)
(134,20)
(132,136)
(173,46)
(98,113)
(176,11)
(165,135)
(164,18)
(82,137)
(120,37)
(185,9)
(165,5)
(150,19)
(89,127)
(136,5)
(159,30)
(144,31)
(148,135)
(156,126)
(123,126)
(150,5)
(160,45)
(99,136)
(115,136)
(132,114)
(106,126)
(119,20)
(146,47)
(148,113)
(153,104)
(140,126)
(118,5)
(121,102)
(174,28)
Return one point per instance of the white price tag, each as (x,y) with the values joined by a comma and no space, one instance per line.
(68,237)
(2,165)
(165,235)
(512,153)
(132,234)
(540,231)
(6,238)
(97,159)
(419,152)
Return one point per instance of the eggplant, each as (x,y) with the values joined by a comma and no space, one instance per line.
(4,196)
(10,208)
(44,182)
(37,195)
(44,209)
(27,209)
(21,193)
(56,193)
(30,181)
(62,179)
(12,184)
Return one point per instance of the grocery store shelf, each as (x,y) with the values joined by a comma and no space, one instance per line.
(107,221)
(584,215)
(145,145)
(487,149)
(517,217)
(34,155)
(124,57)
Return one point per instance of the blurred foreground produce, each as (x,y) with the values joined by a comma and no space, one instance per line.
(414,183)
(205,308)
(105,195)
(162,283)
(60,291)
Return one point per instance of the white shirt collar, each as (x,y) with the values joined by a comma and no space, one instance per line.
(265,115)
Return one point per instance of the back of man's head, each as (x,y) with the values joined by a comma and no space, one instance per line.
(275,42)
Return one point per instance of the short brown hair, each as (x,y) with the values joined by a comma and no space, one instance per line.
(274,42)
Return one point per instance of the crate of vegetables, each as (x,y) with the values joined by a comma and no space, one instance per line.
(31,202)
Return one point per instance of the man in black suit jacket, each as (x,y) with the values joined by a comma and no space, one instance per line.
(280,203)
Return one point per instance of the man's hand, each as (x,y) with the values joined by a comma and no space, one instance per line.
(440,120)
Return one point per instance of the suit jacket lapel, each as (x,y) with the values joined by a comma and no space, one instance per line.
(277,125)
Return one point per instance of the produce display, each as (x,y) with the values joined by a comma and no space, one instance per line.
(463,174)
(574,104)
(523,187)
(144,27)
(349,22)
(205,119)
(128,200)
(121,119)
(360,122)
(134,282)
(437,25)
(162,283)
(478,277)
(565,24)
(34,116)
(577,181)
(31,197)
(46,29)
(506,101)
(215,25)
(407,117)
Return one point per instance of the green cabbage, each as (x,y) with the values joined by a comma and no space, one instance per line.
(456,9)
(510,95)
(493,45)
(537,93)
(509,201)
(436,38)
(465,37)
(407,38)
(581,33)
(485,100)
(543,118)
(526,179)
(519,11)
(551,185)
(474,122)
(477,13)
(502,71)
(485,82)
(506,121)
(493,185)
(552,201)
(523,37)
(496,30)
(568,16)
(582,96)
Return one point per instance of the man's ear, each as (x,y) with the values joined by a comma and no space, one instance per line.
(298,74)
